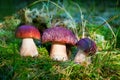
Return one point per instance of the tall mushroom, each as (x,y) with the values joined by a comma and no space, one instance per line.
(59,37)
(86,48)
(28,33)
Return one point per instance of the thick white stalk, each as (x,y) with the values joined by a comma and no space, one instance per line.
(58,52)
(81,58)
(28,48)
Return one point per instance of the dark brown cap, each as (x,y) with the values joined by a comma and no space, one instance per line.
(60,35)
(87,45)
(27,31)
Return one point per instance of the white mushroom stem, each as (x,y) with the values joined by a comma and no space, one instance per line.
(81,58)
(58,52)
(28,48)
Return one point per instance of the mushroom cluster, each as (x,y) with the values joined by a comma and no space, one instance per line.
(86,48)
(59,36)
(28,33)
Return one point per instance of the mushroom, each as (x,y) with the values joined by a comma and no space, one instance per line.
(28,33)
(59,36)
(86,48)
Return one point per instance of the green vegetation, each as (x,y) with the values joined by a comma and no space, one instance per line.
(105,64)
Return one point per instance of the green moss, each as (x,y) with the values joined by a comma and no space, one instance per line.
(105,64)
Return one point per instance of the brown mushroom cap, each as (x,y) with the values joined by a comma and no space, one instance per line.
(87,45)
(60,35)
(27,31)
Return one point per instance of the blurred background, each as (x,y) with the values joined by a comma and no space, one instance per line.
(105,8)
(93,11)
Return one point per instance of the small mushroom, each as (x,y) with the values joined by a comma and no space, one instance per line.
(59,36)
(86,48)
(28,33)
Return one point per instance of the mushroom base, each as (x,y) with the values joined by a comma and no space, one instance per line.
(58,52)
(81,58)
(28,48)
